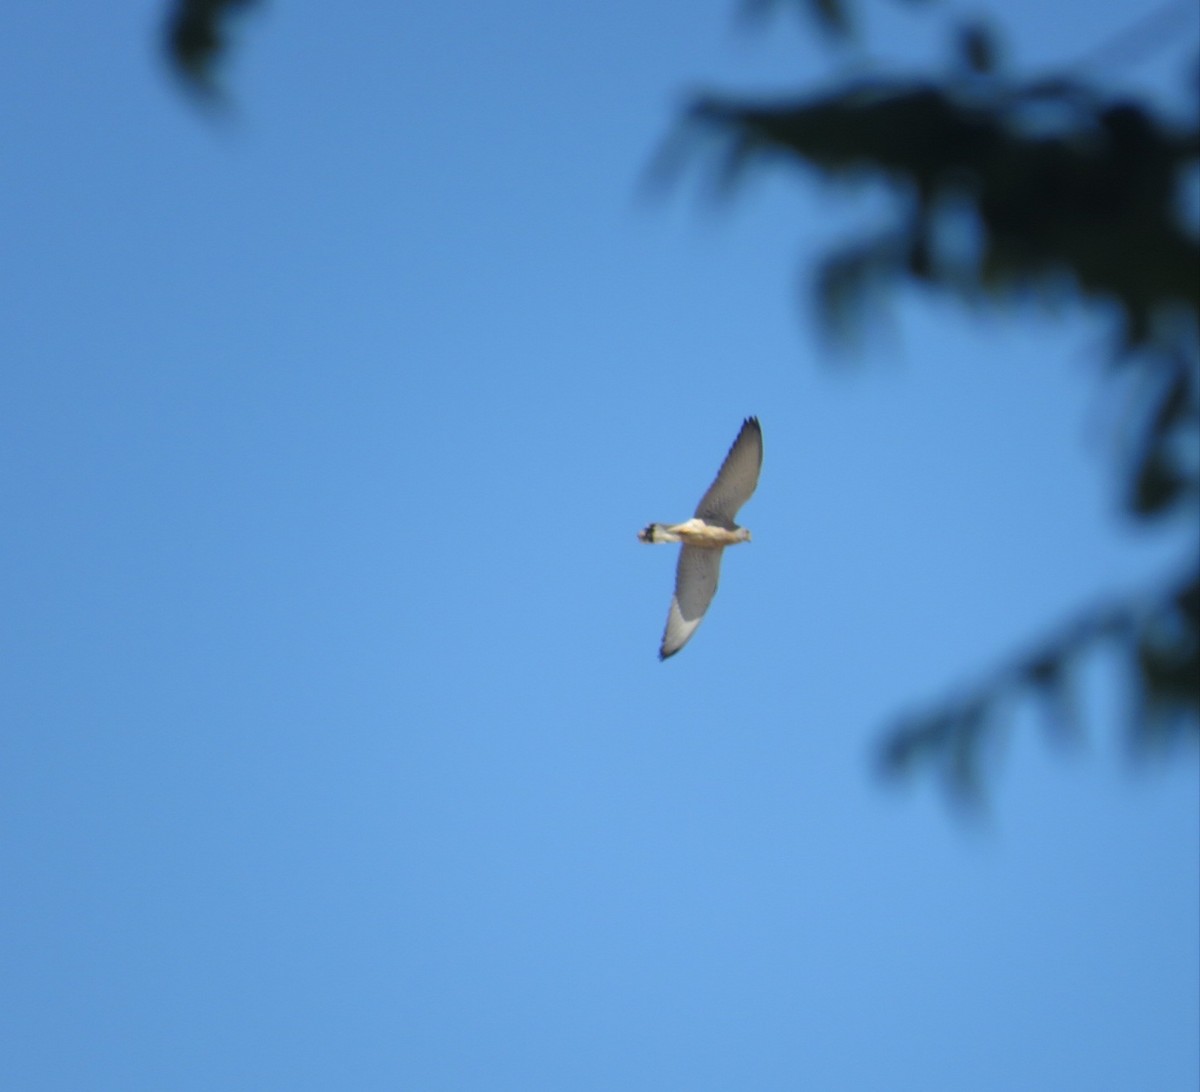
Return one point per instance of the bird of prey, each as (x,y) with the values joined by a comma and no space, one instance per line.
(706,535)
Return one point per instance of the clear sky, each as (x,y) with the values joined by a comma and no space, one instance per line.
(334,750)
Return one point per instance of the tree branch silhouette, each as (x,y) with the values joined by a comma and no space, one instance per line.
(1004,190)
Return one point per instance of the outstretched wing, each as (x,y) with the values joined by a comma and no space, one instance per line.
(695,585)
(737,478)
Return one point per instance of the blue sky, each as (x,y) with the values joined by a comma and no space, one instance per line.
(336,753)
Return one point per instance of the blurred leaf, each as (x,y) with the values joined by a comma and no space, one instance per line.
(913,741)
(1167,659)
(1067,188)
(963,771)
(853,279)
(196,38)
(952,739)
(1157,485)
(1160,482)
(1048,677)
(832,16)
(1159,636)
(978,49)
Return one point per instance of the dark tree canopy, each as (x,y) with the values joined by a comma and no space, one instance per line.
(1002,189)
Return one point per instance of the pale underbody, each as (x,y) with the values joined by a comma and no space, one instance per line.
(695,532)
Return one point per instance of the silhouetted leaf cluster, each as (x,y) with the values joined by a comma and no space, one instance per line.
(1156,637)
(1001,190)
(1058,188)
(196,35)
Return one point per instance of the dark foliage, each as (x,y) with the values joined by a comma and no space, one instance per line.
(1155,634)
(1071,206)
(1003,189)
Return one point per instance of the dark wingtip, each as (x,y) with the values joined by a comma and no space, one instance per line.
(664,655)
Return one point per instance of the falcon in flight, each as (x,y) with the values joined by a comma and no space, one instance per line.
(706,535)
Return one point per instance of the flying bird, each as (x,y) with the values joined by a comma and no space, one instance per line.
(706,535)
